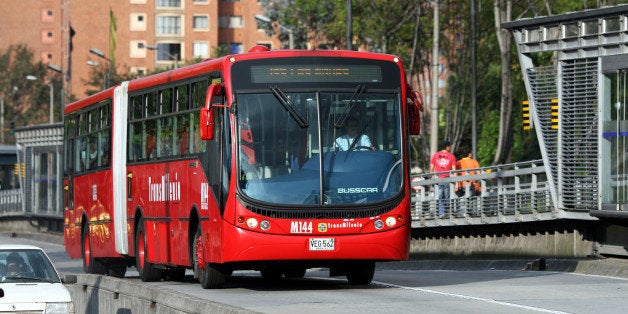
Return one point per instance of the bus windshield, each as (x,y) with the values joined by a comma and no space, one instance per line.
(322,147)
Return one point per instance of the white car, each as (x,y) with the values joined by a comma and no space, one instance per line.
(30,283)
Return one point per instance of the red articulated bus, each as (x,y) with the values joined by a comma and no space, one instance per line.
(276,161)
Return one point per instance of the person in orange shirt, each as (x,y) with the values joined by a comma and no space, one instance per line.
(469,163)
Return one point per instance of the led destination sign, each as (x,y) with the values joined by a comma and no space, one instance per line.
(303,73)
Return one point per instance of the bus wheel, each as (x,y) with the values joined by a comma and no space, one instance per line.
(209,275)
(90,264)
(360,273)
(146,269)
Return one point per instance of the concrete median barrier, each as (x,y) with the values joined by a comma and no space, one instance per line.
(102,294)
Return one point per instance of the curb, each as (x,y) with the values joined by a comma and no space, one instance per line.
(612,267)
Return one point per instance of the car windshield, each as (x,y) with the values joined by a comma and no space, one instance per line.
(26,266)
(319,147)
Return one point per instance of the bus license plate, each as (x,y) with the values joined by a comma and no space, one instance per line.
(322,244)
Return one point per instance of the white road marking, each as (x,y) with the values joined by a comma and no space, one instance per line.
(467,297)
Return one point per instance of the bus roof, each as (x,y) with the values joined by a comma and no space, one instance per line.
(214,64)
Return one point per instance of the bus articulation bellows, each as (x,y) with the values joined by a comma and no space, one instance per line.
(239,163)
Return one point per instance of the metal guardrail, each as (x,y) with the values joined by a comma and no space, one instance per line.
(10,203)
(510,193)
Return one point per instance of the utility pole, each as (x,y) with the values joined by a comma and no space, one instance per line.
(349,26)
(2,119)
(434,86)
(474,128)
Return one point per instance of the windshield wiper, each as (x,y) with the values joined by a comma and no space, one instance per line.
(287,103)
(356,95)
(28,278)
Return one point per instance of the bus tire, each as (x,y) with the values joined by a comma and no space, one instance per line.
(146,269)
(90,264)
(210,275)
(360,273)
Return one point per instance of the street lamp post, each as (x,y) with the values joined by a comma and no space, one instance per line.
(265,19)
(57,69)
(102,55)
(34,78)
(174,57)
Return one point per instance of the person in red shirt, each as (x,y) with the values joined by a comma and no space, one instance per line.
(442,163)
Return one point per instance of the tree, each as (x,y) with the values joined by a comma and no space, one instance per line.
(26,102)
(101,73)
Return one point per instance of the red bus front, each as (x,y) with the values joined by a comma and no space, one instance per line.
(318,165)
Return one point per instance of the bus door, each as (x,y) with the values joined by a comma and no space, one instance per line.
(71,238)
(186,175)
(183,184)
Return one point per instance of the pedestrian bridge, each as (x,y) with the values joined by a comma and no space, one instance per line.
(510,193)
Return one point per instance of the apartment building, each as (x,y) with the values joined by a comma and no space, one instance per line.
(132,35)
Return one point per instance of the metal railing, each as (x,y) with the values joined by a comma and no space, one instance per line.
(11,203)
(509,193)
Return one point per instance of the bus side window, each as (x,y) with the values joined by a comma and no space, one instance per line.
(150,143)
(183,135)
(80,154)
(165,137)
(198,145)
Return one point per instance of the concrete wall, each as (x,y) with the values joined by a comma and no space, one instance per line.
(550,239)
(100,294)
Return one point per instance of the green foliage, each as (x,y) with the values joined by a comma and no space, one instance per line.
(220,51)
(26,102)
(487,141)
(102,76)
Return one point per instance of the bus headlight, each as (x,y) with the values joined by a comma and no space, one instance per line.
(379,224)
(264,225)
(251,223)
(391,221)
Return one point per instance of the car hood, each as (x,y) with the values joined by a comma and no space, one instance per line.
(34,293)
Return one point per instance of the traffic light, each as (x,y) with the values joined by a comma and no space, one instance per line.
(12,128)
(19,169)
(554,113)
(526,115)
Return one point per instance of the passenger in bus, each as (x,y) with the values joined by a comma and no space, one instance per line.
(184,141)
(352,140)
(150,146)
(105,158)
(88,156)
(166,149)
(93,155)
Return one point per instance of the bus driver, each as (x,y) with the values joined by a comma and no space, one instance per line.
(349,140)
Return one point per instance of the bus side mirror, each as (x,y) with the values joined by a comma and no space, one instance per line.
(207,124)
(414,112)
(207,113)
